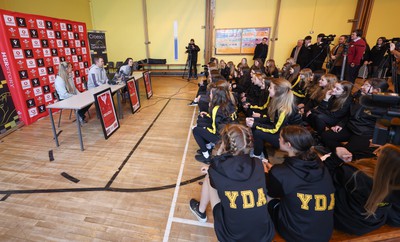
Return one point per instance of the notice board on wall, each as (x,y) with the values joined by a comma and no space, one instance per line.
(239,41)
(32,48)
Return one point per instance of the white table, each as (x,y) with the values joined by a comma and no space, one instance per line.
(82,100)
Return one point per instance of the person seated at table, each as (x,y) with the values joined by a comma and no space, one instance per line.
(126,68)
(97,74)
(65,87)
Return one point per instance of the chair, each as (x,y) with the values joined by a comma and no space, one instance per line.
(118,64)
(110,67)
(70,113)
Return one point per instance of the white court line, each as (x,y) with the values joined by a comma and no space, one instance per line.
(178,182)
(193,222)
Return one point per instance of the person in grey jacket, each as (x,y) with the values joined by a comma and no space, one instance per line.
(97,75)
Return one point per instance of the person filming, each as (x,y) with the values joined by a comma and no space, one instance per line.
(192,50)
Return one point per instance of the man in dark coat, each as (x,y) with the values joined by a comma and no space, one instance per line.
(261,50)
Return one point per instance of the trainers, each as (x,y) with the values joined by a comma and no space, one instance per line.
(201,153)
(194,207)
(201,158)
(193,103)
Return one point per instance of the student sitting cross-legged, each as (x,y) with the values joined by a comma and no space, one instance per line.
(235,187)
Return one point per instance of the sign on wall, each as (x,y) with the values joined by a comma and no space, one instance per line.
(32,48)
(240,40)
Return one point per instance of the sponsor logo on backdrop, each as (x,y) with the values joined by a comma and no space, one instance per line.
(50,70)
(18,54)
(36,43)
(45,43)
(31,63)
(30,103)
(56,60)
(32,112)
(38,91)
(49,25)
(50,34)
(15,43)
(28,53)
(33,33)
(35,82)
(23,32)
(9,20)
(46,52)
(48,97)
(42,71)
(21,22)
(25,84)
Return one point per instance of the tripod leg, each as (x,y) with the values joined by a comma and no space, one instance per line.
(184,71)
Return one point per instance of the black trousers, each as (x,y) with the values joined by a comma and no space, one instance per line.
(193,68)
(358,145)
(203,137)
(319,121)
(351,73)
(260,138)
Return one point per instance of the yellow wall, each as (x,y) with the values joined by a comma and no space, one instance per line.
(123,22)
(296,20)
(75,10)
(384,21)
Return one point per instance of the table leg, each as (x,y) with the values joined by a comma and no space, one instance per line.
(53,127)
(79,128)
(121,115)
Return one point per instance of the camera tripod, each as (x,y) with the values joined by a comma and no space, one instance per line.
(188,66)
(389,61)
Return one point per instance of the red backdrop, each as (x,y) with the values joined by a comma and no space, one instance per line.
(31,48)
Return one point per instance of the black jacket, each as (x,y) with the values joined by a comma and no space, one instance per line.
(307,199)
(304,56)
(352,191)
(242,214)
(261,51)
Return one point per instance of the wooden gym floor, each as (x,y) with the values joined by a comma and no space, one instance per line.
(127,189)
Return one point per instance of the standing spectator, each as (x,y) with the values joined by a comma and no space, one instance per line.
(304,56)
(319,52)
(356,51)
(376,55)
(296,50)
(97,74)
(337,56)
(261,50)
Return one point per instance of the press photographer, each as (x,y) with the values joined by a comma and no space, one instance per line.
(191,62)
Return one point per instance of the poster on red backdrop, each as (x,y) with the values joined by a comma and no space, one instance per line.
(147,84)
(32,48)
(106,108)
(133,94)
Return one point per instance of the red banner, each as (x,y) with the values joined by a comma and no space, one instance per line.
(32,48)
(147,84)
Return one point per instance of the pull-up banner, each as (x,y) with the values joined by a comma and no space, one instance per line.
(97,44)
(32,48)
(8,116)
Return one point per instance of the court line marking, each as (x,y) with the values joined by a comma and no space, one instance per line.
(178,181)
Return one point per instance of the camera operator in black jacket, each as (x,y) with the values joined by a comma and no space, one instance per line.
(192,50)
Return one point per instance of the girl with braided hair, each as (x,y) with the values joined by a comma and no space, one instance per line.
(235,187)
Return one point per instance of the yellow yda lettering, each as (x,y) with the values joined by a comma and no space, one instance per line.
(232,195)
(320,202)
(262,199)
(305,199)
(332,204)
(248,199)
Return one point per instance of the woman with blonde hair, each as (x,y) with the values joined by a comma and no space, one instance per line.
(367,191)
(281,112)
(65,87)
(232,178)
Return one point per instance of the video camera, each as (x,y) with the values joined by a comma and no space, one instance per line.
(328,38)
(395,41)
(386,107)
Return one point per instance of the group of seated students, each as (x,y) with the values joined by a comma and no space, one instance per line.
(65,85)
(241,109)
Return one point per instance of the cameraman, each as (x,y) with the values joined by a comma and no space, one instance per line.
(319,52)
(192,50)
